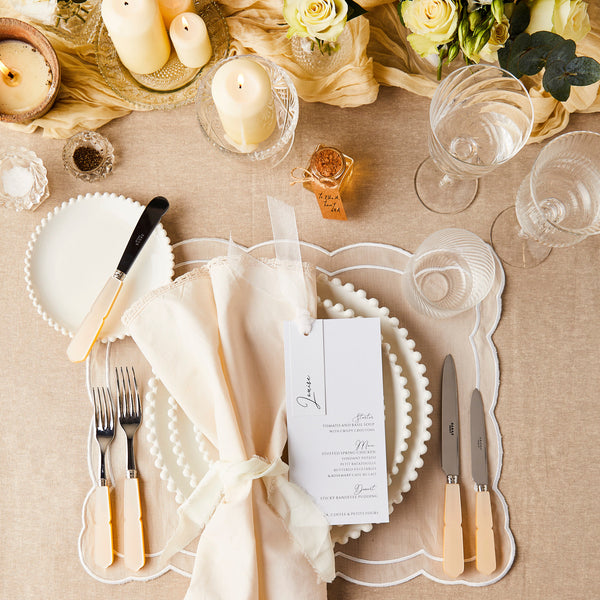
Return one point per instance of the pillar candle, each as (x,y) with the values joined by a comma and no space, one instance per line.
(138,33)
(169,9)
(190,40)
(25,77)
(241,90)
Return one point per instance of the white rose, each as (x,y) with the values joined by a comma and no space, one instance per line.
(568,18)
(499,34)
(432,22)
(318,19)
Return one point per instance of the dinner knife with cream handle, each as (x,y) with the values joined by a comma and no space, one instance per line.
(88,331)
(453,561)
(485,550)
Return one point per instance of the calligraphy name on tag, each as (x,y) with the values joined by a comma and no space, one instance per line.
(330,203)
(335,416)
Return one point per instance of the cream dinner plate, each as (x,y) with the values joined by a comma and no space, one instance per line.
(77,247)
(183,454)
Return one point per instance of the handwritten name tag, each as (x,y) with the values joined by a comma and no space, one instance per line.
(335,416)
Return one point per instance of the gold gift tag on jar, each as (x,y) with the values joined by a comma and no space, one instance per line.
(329,170)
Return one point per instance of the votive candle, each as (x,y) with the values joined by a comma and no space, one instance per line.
(241,91)
(138,33)
(190,40)
(25,77)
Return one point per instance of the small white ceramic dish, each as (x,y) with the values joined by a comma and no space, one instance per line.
(77,247)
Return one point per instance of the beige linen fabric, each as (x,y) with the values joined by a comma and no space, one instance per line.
(215,339)
(381,56)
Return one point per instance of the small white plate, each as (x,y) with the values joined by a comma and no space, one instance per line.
(77,247)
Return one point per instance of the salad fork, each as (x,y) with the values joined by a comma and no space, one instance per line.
(130,417)
(104,423)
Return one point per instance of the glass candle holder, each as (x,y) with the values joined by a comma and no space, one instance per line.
(23,179)
(88,156)
(270,151)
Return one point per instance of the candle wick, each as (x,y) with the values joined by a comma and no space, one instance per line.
(186,28)
(11,75)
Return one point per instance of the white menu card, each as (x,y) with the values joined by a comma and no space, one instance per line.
(335,417)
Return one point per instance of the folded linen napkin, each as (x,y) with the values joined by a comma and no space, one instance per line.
(215,339)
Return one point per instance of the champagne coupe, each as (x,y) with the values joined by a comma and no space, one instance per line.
(480,116)
(557,205)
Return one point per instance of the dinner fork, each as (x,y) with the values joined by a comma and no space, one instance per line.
(104,422)
(130,417)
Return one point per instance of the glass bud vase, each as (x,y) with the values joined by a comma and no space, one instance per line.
(324,59)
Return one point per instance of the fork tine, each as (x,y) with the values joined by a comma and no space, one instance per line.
(138,402)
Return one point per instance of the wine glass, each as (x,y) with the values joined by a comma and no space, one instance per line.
(480,117)
(557,205)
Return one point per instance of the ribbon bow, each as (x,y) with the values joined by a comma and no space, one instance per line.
(228,480)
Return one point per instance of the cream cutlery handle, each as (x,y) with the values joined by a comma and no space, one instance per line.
(103,539)
(484,535)
(88,331)
(453,553)
(133,533)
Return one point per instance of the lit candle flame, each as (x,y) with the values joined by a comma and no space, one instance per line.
(240,81)
(11,77)
(185,23)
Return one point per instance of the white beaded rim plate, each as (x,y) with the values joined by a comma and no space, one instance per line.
(183,455)
(77,247)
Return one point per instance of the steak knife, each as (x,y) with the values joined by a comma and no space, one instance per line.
(453,553)
(485,551)
(88,331)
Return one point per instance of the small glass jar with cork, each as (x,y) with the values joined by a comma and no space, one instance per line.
(328,173)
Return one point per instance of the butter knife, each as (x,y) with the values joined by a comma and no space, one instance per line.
(453,553)
(485,551)
(88,331)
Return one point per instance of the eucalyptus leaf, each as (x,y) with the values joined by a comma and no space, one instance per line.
(355,10)
(583,70)
(564,51)
(532,61)
(519,19)
(546,39)
(556,80)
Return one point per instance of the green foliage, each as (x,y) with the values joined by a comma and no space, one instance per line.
(525,54)
(355,10)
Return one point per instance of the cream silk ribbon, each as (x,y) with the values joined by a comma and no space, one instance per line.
(227,480)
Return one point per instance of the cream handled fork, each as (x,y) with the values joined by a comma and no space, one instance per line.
(130,417)
(104,422)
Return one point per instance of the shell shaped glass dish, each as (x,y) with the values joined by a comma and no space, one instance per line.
(23,179)
(174,84)
(276,147)
(77,247)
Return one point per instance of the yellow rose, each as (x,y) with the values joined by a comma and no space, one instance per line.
(568,18)
(499,34)
(318,19)
(432,22)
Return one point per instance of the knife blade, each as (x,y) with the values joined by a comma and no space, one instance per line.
(453,553)
(88,331)
(485,552)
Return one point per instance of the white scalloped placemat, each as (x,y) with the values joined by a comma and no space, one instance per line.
(410,545)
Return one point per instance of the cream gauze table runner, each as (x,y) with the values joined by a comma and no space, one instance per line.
(381,56)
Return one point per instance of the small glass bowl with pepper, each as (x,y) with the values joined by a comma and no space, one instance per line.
(88,156)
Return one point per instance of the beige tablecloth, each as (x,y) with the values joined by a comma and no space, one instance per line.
(546,340)
(380,56)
